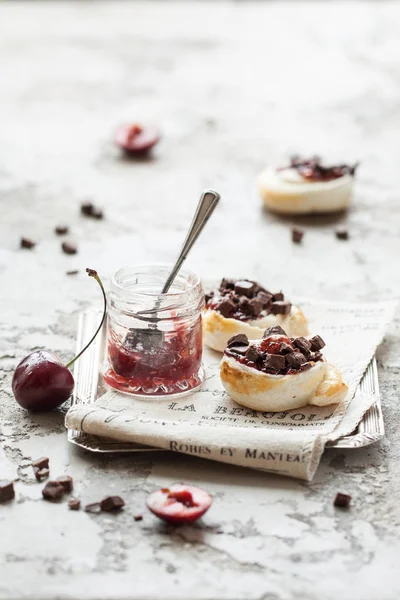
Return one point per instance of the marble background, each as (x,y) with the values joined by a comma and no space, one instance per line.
(234,86)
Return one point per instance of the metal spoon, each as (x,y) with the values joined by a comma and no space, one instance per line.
(152,335)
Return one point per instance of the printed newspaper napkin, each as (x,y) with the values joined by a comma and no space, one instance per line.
(211,425)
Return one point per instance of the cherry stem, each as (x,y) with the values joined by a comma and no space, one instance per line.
(92,273)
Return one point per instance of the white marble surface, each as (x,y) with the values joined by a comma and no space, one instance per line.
(234,86)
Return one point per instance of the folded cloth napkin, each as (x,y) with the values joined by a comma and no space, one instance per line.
(209,424)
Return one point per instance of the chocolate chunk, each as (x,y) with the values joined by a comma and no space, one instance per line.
(297,235)
(69,248)
(314,356)
(94,507)
(41,474)
(265,297)
(227,284)
(303,345)
(112,503)
(73,272)
(275,330)
(87,208)
(74,504)
(67,483)
(61,230)
(226,308)
(342,500)
(274,362)
(245,288)
(138,517)
(240,339)
(281,307)
(295,360)
(317,343)
(285,348)
(41,463)
(240,350)
(208,296)
(255,306)
(342,234)
(305,366)
(279,296)
(27,243)
(253,354)
(53,490)
(6,490)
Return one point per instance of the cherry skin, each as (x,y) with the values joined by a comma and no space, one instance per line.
(41,382)
(136,139)
(179,504)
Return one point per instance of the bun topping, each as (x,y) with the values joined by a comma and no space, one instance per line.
(312,170)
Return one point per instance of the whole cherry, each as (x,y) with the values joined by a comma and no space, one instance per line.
(179,503)
(41,381)
(136,139)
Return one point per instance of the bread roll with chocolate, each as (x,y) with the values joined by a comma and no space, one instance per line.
(280,373)
(305,186)
(243,306)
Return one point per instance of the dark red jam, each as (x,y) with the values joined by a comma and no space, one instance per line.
(149,362)
(245,300)
(312,170)
(276,353)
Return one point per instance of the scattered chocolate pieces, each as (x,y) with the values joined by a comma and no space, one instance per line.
(27,243)
(6,490)
(138,517)
(41,474)
(112,503)
(311,169)
(342,500)
(94,507)
(240,339)
(90,210)
(53,490)
(245,288)
(74,504)
(252,354)
(61,229)
(295,360)
(67,483)
(342,234)
(274,362)
(275,330)
(73,272)
(69,248)
(278,297)
(316,343)
(281,307)
(41,463)
(226,308)
(303,345)
(297,235)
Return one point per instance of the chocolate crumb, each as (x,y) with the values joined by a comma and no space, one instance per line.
(41,474)
(53,490)
(61,229)
(240,339)
(27,243)
(69,248)
(112,503)
(342,234)
(74,504)
(342,500)
(94,507)
(297,235)
(67,483)
(73,272)
(90,210)
(41,463)
(6,490)
(138,517)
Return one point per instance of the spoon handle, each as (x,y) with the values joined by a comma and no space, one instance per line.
(207,203)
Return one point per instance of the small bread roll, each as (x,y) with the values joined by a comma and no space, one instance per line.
(298,374)
(325,189)
(218,329)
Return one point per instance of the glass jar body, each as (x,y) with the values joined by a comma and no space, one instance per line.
(154,345)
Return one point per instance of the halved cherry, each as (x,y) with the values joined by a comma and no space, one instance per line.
(179,503)
(136,139)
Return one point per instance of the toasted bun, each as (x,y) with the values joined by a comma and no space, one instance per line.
(297,196)
(218,329)
(320,385)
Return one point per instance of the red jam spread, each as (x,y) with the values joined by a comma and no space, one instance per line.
(312,170)
(276,353)
(156,363)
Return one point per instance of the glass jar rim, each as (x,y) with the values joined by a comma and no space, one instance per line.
(190,277)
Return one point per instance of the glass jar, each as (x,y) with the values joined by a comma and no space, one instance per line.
(154,340)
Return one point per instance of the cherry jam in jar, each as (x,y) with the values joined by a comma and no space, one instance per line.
(154,345)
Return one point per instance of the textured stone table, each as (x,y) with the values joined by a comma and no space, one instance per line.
(233,85)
